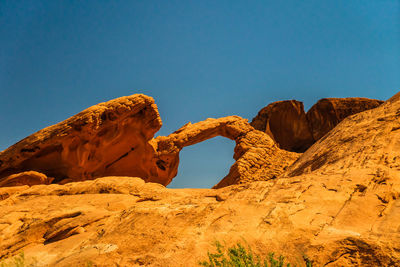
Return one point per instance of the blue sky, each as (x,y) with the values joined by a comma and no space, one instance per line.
(198,59)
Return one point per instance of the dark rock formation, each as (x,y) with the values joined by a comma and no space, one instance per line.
(286,123)
(294,130)
(328,112)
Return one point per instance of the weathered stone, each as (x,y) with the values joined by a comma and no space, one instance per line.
(254,149)
(328,112)
(25,178)
(338,204)
(286,123)
(294,130)
(116,138)
(108,138)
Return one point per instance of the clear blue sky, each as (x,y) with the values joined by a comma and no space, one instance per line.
(198,59)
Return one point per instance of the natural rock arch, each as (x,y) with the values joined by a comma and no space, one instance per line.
(253,149)
(115,138)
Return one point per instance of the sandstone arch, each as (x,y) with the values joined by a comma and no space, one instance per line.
(253,152)
(116,138)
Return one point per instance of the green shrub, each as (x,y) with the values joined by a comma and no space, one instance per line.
(239,256)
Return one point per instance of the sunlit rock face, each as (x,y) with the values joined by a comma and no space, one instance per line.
(108,138)
(338,204)
(257,158)
(116,138)
(294,130)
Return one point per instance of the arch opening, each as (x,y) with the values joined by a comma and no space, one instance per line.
(204,164)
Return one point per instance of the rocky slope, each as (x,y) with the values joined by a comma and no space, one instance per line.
(338,204)
(294,130)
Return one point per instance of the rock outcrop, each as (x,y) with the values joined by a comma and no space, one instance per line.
(25,178)
(257,157)
(116,138)
(108,138)
(338,204)
(294,130)
(286,123)
(328,112)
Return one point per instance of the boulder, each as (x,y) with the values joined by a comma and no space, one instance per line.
(25,178)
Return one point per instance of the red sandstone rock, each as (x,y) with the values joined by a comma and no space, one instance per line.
(108,138)
(328,112)
(294,130)
(25,178)
(116,138)
(254,150)
(286,123)
(338,204)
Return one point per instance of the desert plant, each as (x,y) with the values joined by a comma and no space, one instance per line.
(239,256)
(18,261)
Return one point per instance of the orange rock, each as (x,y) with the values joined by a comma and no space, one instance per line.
(286,123)
(338,204)
(116,138)
(328,112)
(108,138)
(294,130)
(25,178)
(254,149)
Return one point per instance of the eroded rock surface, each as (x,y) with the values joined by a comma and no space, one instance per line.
(286,123)
(108,138)
(116,138)
(328,112)
(25,178)
(339,204)
(294,130)
(256,154)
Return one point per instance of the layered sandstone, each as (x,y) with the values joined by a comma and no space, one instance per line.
(294,130)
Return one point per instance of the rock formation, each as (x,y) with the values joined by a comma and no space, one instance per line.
(339,204)
(116,138)
(294,130)
(328,112)
(286,123)
(257,157)
(108,138)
